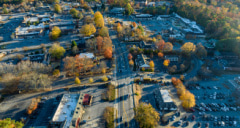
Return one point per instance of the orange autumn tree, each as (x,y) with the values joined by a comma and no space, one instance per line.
(160,44)
(160,55)
(130,56)
(83,64)
(108,53)
(99,40)
(134,24)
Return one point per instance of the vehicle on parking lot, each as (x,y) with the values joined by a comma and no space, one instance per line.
(222,123)
(179,122)
(206,125)
(199,124)
(193,117)
(191,109)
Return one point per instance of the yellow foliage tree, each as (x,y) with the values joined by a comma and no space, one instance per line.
(104,78)
(57,8)
(77,80)
(88,29)
(188,100)
(90,80)
(103,70)
(166,63)
(56,32)
(98,19)
(151,64)
(57,51)
(131,62)
(104,32)
(99,22)
(181,89)
(188,48)
(146,115)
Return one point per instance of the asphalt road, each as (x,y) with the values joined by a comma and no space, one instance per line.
(124,79)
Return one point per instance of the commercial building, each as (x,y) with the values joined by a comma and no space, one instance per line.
(143,17)
(69,112)
(29,32)
(163,100)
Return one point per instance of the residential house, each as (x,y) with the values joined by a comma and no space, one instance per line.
(117,11)
(171,58)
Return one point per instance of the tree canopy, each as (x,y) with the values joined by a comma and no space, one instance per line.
(146,115)
(57,51)
(56,32)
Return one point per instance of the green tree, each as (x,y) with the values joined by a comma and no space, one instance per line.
(8,123)
(129,9)
(146,115)
(57,51)
(5,10)
(73,44)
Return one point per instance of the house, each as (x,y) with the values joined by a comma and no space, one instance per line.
(87,55)
(225,55)
(61,24)
(237,79)
(143,17)
(163,100)
(171,58)
(43,8)
(146,45)
(117,11)
(142,62)
(40,58)
(162,3)
(69,111)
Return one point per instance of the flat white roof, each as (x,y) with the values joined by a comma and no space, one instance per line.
(165,96)
(66,109)
(32,19)
(87,55)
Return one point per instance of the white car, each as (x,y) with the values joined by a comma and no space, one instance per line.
(180,122)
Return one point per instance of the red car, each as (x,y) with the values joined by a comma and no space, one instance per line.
(192,110)
(193,117)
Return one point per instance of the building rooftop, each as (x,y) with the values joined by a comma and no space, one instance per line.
(165,96)
(66,109)
(143,15)
(31,19)
(61,23)
(87,55)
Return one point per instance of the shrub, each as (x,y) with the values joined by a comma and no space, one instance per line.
(56,73)
(77,80)
(104,78)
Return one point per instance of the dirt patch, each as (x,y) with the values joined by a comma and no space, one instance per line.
(137,93)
